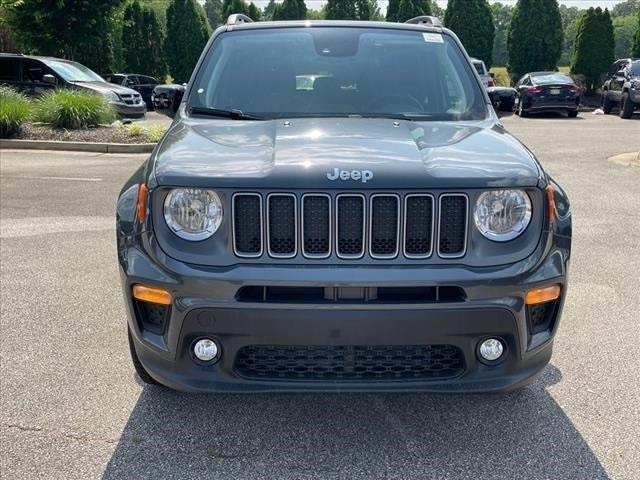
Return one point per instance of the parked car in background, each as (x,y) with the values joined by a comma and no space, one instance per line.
(622,87)
(539,92)
(142,84)
(35,76)
(481,68)
(502,98)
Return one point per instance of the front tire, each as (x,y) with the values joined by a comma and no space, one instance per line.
(572,113)
(140,370)
(626,106)
(607,104)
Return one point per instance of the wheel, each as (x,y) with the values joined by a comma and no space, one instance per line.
(521,111)
(140,370)
(607,104)
(572,113)
(626,106)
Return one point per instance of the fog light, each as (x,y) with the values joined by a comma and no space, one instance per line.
(205,350)
(491,349)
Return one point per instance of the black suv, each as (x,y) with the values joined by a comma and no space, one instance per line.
(37,75)
(622,87)
(336,206)
(142,84)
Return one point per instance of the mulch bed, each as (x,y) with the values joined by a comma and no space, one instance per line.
(97,134)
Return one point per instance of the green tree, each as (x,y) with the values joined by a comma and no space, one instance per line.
(133,45)
(501,21)
(624,29)
(535,37)
(472,21)
(254,12)
(411,9)
(213,9)
(635,49)
(628,7)
(229,7)
(594,47)
(570,19)
(187,34)
(153,62)
(341,10)
(392,10)
(81,30)
(267,14)
(290,10)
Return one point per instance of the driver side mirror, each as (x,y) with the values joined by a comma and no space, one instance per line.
(166,98)
(49,79)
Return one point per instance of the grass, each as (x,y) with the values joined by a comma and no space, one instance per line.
(73,109)
(153,133)
(15,109)
(501,75)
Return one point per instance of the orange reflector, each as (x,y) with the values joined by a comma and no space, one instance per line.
(151,295)
(542,295)
(551,204)
(141,206)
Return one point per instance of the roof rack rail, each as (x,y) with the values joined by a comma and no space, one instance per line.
(238,18)
(425,20)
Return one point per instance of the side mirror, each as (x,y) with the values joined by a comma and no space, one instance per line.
(166,99)
(621,73)
(48,78)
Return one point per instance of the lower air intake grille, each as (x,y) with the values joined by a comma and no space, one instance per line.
(349,363)
(453,225)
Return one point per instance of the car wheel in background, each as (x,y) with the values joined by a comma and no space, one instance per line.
(140,370)
(572,113)
(626,106)
(521,111)
(607,104)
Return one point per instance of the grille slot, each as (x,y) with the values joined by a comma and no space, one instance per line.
(452,241)
(281,225)
(418,225)
(350,226)
(384,226)
(349,363)
(316,225)
(247,224)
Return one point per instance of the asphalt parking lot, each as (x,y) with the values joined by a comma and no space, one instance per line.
(71,406)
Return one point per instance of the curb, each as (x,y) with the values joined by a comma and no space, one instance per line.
(77,146)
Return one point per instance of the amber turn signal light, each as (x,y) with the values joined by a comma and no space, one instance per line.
(151,295)
(141,206)
(542,295)
(551,204)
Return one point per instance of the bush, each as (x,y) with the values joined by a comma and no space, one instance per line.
(155,132)
(15,109)
(74,109)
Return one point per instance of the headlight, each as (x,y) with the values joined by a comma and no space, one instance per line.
(193,213)
(111,96)
(502,215)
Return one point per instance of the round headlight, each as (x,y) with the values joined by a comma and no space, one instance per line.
(502,215)
(193,213)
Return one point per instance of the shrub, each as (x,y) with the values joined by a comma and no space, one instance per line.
(15,109)
(74,109)
(155,132)
(135,130)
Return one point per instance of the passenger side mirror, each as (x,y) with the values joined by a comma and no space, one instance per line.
(166,99)
(48,78)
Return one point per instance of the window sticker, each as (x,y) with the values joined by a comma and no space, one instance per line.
(432,38)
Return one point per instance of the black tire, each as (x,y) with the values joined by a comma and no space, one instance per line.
(140,370)
(626,106)
(607,104)
(572,113)
(521,111)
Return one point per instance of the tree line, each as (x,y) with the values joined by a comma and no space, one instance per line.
(165,37)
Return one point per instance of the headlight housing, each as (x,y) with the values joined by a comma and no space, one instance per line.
(193,213)
(111,96)
(502,215)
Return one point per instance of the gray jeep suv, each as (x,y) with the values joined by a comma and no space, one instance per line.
(336,206)
(622,87)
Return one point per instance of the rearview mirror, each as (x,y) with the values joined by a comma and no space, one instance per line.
(48,78)
(166,99)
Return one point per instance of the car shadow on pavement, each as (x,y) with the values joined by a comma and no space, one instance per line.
(520,435)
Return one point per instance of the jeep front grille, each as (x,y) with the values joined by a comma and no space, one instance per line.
(350,225)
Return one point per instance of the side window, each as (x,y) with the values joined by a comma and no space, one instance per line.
(33,71)
(131,81)
(9,70)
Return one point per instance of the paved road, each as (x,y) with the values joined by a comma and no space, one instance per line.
(71,406)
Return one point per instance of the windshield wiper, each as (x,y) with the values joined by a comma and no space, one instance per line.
(398,116)
(234,113)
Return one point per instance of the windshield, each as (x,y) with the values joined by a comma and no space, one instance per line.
(334,71)
(552,78)
(73,72)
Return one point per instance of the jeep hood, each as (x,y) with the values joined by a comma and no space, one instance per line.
(300,153)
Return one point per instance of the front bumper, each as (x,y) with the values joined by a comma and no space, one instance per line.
(125,110)
(205,305)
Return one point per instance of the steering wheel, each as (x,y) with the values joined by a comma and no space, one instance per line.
(399,102)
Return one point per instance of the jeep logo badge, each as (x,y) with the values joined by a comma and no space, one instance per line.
(362,175)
